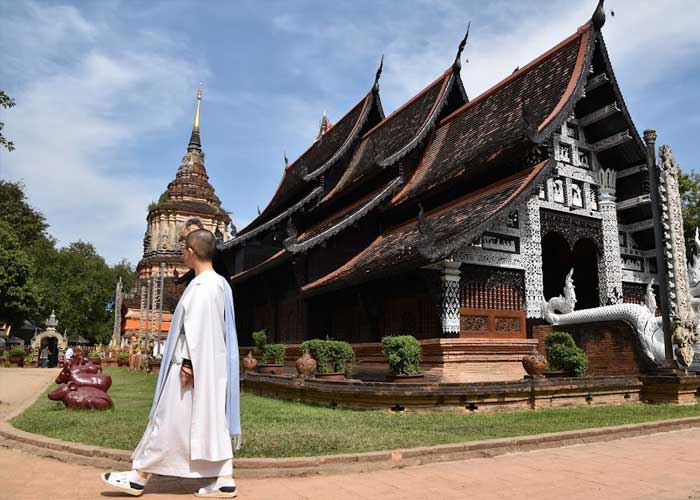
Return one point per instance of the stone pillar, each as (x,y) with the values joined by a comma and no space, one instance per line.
(611,269)
(531,254)
(449,313)
(662,276)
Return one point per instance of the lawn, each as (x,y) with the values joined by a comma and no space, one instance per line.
(273,428)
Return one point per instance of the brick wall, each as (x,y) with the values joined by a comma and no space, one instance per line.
(612,347)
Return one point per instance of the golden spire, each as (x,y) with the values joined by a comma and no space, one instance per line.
(196,113)
(195,142)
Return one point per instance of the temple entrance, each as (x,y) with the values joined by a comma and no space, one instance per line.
(52,342)
(586,274)
(557,261)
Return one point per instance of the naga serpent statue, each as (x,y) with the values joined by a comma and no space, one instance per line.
(642,318)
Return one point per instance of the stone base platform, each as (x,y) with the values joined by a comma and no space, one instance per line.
(482,396)
(447,360)
(674,387)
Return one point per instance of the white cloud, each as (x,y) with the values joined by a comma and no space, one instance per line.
(78,119)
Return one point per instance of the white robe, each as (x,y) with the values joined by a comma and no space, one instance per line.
(188,435)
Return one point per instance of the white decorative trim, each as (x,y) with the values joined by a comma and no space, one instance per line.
(449,313)
(627,172)
(633,202)
(531,255)
(637,226)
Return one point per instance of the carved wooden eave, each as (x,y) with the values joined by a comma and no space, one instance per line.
(437,250)
(279,257)
(274,221)
(303,244)
(599,114)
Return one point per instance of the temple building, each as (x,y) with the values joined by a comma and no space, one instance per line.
(472,224)
(188,203)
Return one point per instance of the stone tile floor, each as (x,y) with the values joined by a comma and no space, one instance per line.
(659,466)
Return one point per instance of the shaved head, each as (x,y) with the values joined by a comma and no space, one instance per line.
(202,243)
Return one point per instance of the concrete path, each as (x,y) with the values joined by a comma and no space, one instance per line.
(656,467)
(659,466)
(19,386)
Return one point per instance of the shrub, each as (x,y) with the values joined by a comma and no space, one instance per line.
(564,354)
(332,356)
(320,351)
(403,353)
(259,340)
(17,351)
(274,354)
(94,355)
(268,353)
(342,355)
(122,355)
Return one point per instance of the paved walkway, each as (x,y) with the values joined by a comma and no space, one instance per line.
(656,467)
(659,466)
(19,386)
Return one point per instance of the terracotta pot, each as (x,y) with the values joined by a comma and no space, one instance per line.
(123,362)
(535,364)
(17,360)
(154,365)
(249,362)
(306,365)
(95,361)
(331,376)
(271,369)
(419,378)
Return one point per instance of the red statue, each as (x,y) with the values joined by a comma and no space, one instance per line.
(84,376)
(86,398)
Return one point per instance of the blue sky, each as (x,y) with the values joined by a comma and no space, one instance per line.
(105,90)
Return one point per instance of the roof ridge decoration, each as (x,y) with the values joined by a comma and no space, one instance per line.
(457,65)
(377,75)
(272,222)
(351,218)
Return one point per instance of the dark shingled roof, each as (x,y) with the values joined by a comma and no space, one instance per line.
(338,221)
(449,226)
(320,155)
(397,134)
(522,109)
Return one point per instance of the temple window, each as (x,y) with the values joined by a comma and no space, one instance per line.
(572,130)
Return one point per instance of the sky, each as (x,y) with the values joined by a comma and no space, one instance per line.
(105,90)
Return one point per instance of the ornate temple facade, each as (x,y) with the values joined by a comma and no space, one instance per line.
(188,203)
(455,217)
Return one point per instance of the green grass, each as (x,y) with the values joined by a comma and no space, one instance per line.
(273,428)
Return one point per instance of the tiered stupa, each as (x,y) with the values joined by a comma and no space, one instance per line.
(187,204)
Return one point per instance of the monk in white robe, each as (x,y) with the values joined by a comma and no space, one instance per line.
(196,405)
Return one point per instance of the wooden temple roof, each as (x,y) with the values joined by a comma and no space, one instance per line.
(522,109)
(426,237)
(399,133)
(324,152)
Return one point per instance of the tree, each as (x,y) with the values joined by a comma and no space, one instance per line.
(25,222)
(689,188)
(6,102)
(18,294)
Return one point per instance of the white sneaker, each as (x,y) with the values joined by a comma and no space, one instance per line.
(121,482)
(218,489)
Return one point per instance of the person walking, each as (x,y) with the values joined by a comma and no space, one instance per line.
(44,357)
(68,356)
(194,424)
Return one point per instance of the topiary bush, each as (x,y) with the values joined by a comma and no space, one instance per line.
(342,355)
(268,353)
(122,355)
(564,354)
(403,353)
(320,351)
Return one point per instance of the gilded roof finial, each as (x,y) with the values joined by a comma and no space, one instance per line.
(378,74)
(195,142)
(324,126)
(457,65)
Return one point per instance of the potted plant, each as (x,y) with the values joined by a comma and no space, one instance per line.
(403,353)
(564,356)
(17,356)
(94,358)
(271,355)
(334,358)
(123,359)
(154,364)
